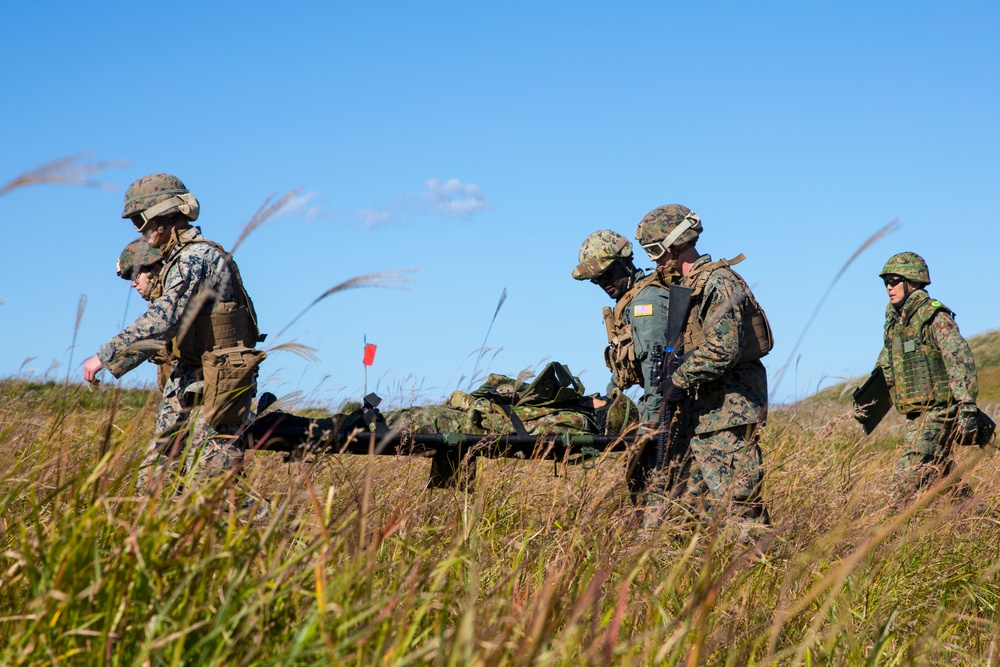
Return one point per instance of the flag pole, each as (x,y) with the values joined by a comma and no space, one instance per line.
(366,366)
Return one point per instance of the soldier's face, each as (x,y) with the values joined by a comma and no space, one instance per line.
(156,235)
(895,286)
(614,281)
(141,282)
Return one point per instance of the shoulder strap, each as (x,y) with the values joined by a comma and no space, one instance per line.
(243,298)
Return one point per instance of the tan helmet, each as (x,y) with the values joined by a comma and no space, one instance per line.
(910,266)
(599,251)
(666,226)
(157,195)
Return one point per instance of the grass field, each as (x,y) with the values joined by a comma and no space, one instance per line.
(358,564)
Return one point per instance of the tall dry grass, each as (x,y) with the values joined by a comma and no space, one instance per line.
(359,564)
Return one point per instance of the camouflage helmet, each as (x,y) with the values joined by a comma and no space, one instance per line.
(156,195)
(910,266)
(666,226)
(599,251)
(138,256)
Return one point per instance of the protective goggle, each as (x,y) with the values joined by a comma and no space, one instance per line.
(658,249)
(892,280)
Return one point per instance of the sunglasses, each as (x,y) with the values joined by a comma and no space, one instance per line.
(655,249)
(892,281)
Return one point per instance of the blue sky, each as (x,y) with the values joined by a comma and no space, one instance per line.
(479,144)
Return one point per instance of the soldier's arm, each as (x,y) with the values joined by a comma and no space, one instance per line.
(724,332)
(958,361)
(158,324)
(886,365)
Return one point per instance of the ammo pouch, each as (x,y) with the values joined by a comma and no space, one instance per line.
(230,382)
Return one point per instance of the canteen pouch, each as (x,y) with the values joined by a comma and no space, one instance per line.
(230,382)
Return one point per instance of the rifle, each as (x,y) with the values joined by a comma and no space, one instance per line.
(365,432)
(663,368)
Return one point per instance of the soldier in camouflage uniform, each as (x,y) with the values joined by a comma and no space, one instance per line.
(724,395)
(930,368)
(637,323)
(203,302)
(140,264)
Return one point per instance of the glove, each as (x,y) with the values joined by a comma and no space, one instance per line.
(966,428)
(672,393)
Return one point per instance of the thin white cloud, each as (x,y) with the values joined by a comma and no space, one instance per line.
(372,217)
(308,205)
(453,196)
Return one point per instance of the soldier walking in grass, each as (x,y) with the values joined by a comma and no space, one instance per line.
(204,319)
(141,264)
(721,384)
(929,366)
(636,323)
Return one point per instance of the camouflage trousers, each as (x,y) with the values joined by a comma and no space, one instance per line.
(926,457)
(184,440)
(727,472)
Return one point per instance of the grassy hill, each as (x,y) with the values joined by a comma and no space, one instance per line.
(359,564)
(985,349)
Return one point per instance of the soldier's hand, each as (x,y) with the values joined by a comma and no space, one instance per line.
(91,367)
(966,428)
(672,393)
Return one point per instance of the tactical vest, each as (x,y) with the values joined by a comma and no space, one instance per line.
(619,355)
(226,324)
(918,368)
(757,340)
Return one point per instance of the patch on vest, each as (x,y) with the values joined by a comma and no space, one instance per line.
(909,346)
(642,310)
(936,303)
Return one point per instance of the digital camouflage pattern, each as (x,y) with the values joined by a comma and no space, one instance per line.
(726,392)
(658,223)
(185,440)
(930,432)
(137,257)
(727,471)
(599,251)
(150,190)
(198,278)
(726,400)
(909,265)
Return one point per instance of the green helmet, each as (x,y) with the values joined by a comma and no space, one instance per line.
(599,251)
(910,266)
(669,225)
(138,256)
(159,194)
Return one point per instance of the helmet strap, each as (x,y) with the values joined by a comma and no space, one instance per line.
(689,221)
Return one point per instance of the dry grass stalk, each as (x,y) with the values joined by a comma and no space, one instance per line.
(67,171)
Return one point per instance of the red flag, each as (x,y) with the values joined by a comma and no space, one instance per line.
(369,354)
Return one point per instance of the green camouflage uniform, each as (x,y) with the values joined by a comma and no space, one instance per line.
(485,411)
(925,328)
(727,400)
(194,269)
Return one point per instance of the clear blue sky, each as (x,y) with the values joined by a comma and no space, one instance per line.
(481,143)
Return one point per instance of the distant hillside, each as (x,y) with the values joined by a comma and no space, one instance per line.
(986,350)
